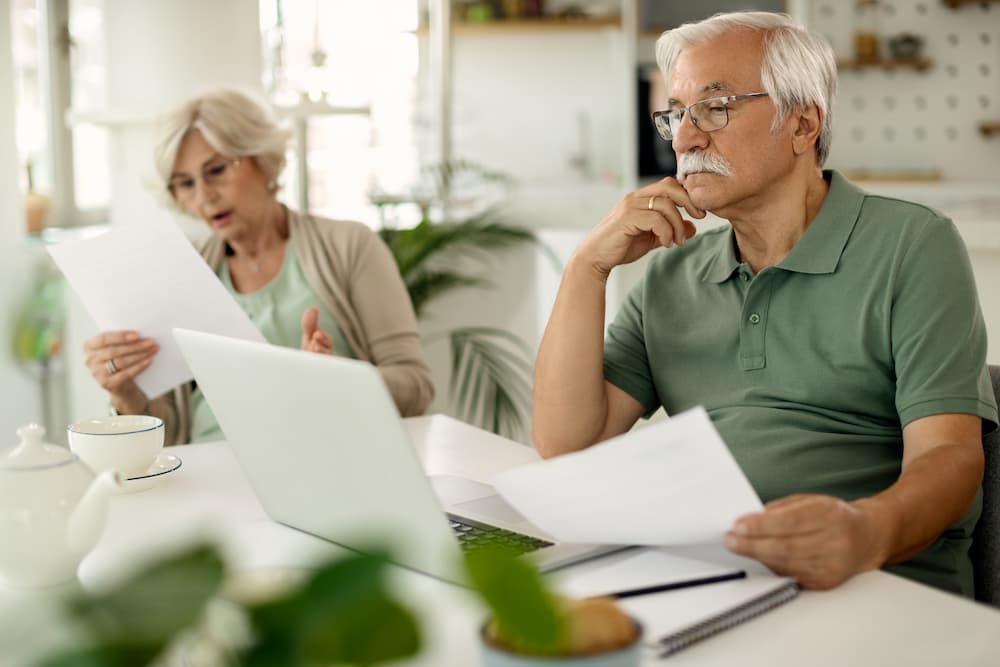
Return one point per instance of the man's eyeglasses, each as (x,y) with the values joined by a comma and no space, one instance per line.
(707,115)
(214,174)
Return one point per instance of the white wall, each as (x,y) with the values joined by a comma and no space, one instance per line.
(526,103)
(18,257)
(903,119)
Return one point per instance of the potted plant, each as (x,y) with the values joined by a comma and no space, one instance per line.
(490,379)
(531,627)
(339,613)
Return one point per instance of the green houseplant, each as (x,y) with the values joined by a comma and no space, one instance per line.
(490,379)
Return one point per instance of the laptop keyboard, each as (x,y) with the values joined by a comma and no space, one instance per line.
(474,535)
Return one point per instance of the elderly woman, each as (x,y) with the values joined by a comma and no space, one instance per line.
(329,287)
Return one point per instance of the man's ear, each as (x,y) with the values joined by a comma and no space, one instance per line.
(806,125)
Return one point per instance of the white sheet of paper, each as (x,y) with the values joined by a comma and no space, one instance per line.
(148,277)
(674,482)
(633,569)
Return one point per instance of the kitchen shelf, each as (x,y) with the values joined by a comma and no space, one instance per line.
(541,24)
(918,64)
(894,175)
(955,4)
(990,128)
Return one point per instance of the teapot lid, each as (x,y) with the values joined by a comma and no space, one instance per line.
(33,453)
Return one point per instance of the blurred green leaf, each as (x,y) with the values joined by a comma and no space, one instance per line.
(375,630)
(490,381)
(150,607)
(271,651)
(94,657)
(527,616)
(425,286)
(341,615)
(429,253)
(338,585)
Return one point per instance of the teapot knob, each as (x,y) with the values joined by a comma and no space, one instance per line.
(31,434)
(32,451)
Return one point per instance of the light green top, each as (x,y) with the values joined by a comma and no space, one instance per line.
(277,310)
(810,369)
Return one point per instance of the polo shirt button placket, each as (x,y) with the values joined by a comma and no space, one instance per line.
(754,318)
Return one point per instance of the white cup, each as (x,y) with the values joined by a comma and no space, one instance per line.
(126,443)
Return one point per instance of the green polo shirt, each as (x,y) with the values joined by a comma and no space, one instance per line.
(810,369)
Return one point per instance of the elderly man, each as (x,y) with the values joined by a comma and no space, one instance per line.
(834,337)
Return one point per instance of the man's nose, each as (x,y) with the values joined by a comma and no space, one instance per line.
(688,136)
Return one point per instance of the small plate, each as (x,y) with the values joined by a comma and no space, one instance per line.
(163,465)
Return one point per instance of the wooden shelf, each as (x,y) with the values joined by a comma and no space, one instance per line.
(955,4)
(894,175)
(990,128)
(545,23)
(918,64)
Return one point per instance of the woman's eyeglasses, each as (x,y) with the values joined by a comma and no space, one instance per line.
(212,175)
(707,115)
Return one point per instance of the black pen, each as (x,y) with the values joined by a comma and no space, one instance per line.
(675,585)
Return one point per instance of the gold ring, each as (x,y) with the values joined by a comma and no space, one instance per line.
(649,205)
(110,366)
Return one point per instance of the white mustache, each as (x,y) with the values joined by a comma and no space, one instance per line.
(689,163)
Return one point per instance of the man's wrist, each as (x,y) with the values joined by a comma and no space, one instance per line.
(882,527)
(579,267)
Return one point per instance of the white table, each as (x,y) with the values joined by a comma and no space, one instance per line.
(874,619)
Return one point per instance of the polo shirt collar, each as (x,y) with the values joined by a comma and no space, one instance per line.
(722,263)
(821,246)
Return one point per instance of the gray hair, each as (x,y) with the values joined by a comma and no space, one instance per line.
(233,123)
(798,68)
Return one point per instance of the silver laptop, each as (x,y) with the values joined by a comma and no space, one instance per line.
(323,446)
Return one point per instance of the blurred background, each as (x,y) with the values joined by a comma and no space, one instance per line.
(534,110)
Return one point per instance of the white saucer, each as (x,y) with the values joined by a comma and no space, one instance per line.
(162,466)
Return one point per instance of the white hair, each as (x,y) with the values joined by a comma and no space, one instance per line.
(233,123)
(798,68)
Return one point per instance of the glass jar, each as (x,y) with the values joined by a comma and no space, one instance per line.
(866,40)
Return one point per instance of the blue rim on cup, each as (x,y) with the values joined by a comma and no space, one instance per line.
(132,423)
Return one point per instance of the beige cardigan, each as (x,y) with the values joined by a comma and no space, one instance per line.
(358,282)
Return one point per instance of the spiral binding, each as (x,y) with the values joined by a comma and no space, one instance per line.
(720,622)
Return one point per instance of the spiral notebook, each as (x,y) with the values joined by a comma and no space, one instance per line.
(678,618)
(709,610)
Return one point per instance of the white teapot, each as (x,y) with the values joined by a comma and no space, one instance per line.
(52,511)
